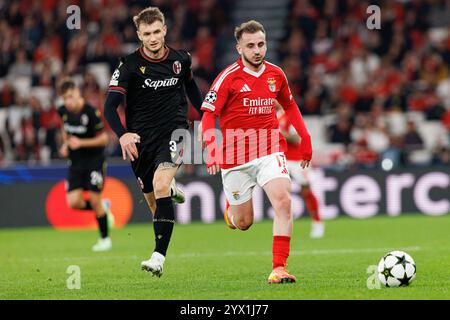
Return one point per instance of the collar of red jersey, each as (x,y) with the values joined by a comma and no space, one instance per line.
(251,72)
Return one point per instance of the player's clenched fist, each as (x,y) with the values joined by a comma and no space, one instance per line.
(128,144)
(74,143)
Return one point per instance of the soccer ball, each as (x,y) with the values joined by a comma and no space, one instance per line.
(396,269)
(211,97)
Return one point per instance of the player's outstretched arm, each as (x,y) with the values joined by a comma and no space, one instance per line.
(296,119)
(99,140)
(127,140)
(286,100)
(208,128)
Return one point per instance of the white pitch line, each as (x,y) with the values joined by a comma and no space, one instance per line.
(236,254)
(295,253)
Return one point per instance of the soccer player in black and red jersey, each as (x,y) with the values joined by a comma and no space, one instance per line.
(84,142)
(154,81)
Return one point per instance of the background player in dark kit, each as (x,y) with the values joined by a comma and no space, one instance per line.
(84,142)
(154,80)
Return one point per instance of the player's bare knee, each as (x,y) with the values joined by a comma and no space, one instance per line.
(243,224)
(75,203)
(247,225)
(96,204)
(283,203)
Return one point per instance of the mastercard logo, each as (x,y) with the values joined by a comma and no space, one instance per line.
(61,216)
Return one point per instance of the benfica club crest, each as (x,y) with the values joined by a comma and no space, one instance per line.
(176,67)
(272,84)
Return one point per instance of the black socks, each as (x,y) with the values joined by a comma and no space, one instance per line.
(163,224)
(103,226)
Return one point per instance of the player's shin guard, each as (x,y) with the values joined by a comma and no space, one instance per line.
(163,224)
(280,250)
(312,205)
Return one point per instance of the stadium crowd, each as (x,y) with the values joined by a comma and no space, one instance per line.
(380,94)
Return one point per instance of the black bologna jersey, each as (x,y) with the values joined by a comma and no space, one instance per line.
(155,94)
(85,124)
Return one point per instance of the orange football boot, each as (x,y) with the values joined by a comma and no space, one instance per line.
(225,216)
(281,275)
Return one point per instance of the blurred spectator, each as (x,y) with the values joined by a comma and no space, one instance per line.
(361,82)
(7,95)
(397,100)
(412,141)
(340,132)
(441,156)
(21,66)
(363,156)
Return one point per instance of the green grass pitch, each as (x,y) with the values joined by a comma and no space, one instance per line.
(214,262)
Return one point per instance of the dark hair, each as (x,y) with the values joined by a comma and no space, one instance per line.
(148,16)
(66,85)
(251,26)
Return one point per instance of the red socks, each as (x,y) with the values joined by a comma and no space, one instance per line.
(312,205)
(280,250)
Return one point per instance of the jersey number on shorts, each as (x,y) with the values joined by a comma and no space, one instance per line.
(96,178)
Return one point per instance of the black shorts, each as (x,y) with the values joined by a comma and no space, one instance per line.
(91,178)
(151,155)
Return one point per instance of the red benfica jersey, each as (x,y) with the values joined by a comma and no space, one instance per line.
(244,101)
(294,151)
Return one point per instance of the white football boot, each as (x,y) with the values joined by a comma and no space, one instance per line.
(317,230)
(154,265)
(102,245)
(176,193)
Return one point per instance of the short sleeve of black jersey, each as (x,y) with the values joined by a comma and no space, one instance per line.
(62,111)
(96,121)
(121,77)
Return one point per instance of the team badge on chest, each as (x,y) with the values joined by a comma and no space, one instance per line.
(272,84)
(176,67)
(84,119)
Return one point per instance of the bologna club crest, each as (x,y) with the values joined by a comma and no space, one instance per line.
(176,67)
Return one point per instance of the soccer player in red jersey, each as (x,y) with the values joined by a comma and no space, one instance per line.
(301,176)
(243,97)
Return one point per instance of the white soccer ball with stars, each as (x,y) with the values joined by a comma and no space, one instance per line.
(396,269)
